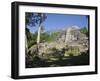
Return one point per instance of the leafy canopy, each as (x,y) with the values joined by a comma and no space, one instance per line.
(34,19)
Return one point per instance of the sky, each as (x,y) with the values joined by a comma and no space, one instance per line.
(61,21)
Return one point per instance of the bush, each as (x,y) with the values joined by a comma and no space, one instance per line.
(72,51)
(30,43)
(84,31)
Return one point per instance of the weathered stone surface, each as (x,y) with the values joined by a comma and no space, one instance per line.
(72,37)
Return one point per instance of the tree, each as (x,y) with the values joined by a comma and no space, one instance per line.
(84,31)
(35,20)
(27,36)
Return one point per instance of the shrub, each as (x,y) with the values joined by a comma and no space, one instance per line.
(30,43)
(72,51)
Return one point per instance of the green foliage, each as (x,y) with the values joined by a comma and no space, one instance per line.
(54,35)
(31,38)
(45,37)
(72,51)
(30,43)
(84,31)
(33,19)
(54,49)
(27,17)
(28,34)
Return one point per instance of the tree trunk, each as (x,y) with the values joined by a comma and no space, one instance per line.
(38,38)
(66,37)
(26,44)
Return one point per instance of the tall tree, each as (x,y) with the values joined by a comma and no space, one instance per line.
(36,20)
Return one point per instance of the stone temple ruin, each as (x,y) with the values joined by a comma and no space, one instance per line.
(68,43)
(70,36)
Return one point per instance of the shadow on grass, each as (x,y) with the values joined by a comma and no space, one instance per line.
(82,59)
